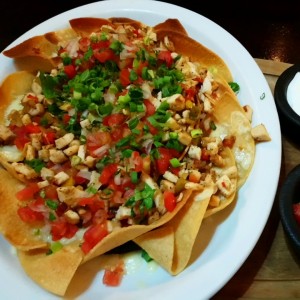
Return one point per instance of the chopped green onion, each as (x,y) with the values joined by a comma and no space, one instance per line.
(134,177)
(196,133)
(146,256)
(175,163)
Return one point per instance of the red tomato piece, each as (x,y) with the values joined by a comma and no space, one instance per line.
(61,229)
(108,172)
(163,161)
(113,276)
(150,108)
(30,216)
(70,71)
(93,236)
(125,77)
(114,119)
(28,192)
(166,57)
(169,201)
(104,55)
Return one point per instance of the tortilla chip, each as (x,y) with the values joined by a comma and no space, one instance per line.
(165,238)
(37,46)
(185,229)
(52,272)
(197,52)
(119,237)
(13,86)
(171,25)
(18,233)
(86,26)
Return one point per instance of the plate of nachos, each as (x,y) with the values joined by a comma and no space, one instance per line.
(136,149)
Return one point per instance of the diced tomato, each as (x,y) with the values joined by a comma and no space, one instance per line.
(150,108)
(30,216)
(105,55)
(113,276)
(100,45)
(70,71)
(114,119)
(117,133)
(51,192)
(80,180)
(137,161)
(28,192)
(84,44)
(32,128)
(296,212)
(166,57)
(190,93)
(153,130)
(163,162)
(108,172)
(61,229)
(96,140)
(93,236)
(125,77)
(169,201)
(49,137)
(66,118)
(93,202)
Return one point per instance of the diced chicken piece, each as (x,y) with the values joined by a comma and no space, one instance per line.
(81,152)
(70,195)
(37,110)
(123,213)
(72,150)
(60,178)
(194,186)
(260,133)
(85,123)
(26,119)
(44,154)
(172,124)
(176,102)
(36,140)
(30,152)
(72,217)
(25,170)
(47,174)
(57,156)
(184,138)
(5,134)
(213,148)
(64,140)
(166,185)
(225,185)
(42,184)
(194,176)
(194,152)
(170,176)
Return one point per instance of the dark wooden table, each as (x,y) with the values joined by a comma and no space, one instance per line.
(269,31)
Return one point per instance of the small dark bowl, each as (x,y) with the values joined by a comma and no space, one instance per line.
(290,194)
(289,119)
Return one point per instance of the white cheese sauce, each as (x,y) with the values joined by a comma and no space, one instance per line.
(293,93)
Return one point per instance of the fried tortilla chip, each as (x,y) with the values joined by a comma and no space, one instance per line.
(183,230)
(185,45)
(19,234)
(52,272)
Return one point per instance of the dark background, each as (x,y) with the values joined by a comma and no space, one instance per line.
(267,29)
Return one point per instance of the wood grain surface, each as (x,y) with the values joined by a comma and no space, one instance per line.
(272,271)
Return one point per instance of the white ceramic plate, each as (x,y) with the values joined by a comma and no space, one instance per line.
(226,239)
